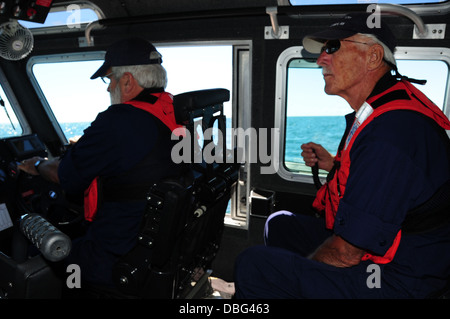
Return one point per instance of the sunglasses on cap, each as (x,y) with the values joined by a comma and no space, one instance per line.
(333,46)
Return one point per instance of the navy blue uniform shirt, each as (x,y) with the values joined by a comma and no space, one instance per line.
(398,162)
(118,139)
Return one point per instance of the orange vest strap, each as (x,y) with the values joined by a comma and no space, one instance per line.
(90,200)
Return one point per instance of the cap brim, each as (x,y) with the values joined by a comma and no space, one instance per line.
(101,71)
(313,43)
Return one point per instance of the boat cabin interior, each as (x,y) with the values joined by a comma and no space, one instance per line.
(236,68)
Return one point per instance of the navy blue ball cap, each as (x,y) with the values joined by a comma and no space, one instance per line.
(350,25)
(131,51)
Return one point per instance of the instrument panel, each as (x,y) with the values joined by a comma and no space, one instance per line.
(22,147)
(18,191)
(35,11)
(12,151)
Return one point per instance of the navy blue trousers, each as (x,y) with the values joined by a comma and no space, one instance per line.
(281,269)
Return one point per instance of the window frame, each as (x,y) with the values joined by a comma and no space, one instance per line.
(402,53)
(240,100)
(57,58)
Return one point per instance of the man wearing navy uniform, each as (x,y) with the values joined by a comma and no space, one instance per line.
(384,231)
(124,151)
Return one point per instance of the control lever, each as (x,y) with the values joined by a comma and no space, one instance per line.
(315,174)
(52,243)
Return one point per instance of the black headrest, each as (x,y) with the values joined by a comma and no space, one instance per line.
(193,104)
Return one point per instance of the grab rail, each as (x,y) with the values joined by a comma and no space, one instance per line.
(408,13)
(258,11)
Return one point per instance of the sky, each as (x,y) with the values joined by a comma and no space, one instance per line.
(306,96)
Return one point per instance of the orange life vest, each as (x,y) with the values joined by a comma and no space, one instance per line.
(329,195)
(163,110)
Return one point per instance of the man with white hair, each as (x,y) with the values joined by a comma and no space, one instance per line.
(124,151)
(385,205)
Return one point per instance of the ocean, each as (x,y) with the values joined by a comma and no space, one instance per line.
(324,130)
(74,129)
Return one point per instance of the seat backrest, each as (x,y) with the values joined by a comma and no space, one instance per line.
(203,109)
(183,220)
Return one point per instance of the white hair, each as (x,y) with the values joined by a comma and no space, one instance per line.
(388,54)
(147,76)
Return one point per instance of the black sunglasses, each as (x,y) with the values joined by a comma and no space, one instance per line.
(333,46)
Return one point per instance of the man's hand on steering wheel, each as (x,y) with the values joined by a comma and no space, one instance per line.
(29,165)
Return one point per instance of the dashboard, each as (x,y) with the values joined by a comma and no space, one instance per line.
(21,193)
(12,151)
(22,147)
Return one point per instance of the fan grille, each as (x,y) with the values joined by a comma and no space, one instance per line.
(16,41)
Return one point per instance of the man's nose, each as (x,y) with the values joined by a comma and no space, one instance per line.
(323,59)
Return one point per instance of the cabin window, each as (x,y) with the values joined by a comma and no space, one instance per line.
(311,115)
(198,67)
(307,113)
(74,100)
(9,123)
(71,16)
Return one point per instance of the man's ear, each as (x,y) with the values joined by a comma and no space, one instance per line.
(375,57)
(129,87)
(128,83)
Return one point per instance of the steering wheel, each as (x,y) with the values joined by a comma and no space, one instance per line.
(37,195)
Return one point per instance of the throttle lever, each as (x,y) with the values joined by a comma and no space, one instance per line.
(315,174)
(53,244)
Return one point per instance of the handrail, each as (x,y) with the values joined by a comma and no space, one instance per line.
(408,13)
(272,12)
(257,11)
(87,33)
